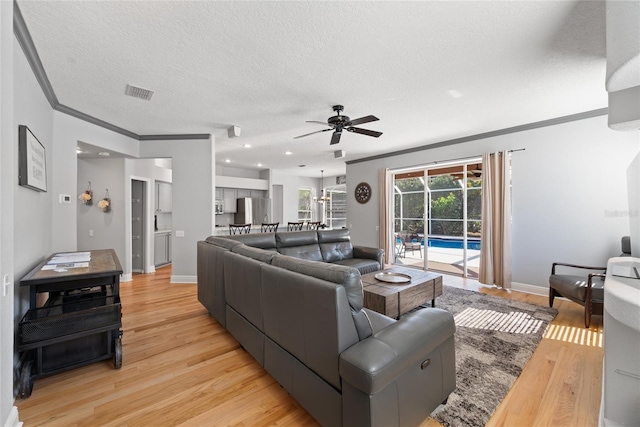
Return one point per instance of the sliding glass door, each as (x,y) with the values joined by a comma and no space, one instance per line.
(437,218)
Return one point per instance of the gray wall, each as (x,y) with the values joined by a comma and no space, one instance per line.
(290,185)
(8,144)
(67,132)
(193,191)
(32,224)
(565,186)
(108,227)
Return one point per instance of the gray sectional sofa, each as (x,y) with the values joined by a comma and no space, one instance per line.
(303,320)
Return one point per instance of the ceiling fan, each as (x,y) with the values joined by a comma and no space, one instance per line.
(339,123)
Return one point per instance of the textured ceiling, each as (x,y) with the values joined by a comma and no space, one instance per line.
(430,71)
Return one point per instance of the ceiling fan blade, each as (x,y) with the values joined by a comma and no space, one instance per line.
(318,122)
(336,137)
(365,131)
(307,134)
(362,120)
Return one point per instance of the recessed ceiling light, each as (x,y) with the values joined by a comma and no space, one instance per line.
(227,160)
(288,153)
(246,145)
(104,154)
(454,93)
(78,151)
(259,165)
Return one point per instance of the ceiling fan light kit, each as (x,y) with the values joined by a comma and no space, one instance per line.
(338,123)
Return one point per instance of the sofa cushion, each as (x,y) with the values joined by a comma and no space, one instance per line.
(257,240)
(335,245)
(255,253)
(222,242)
(339,274)
(299,244)
(363,265)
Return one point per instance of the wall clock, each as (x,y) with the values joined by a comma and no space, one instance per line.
(363,192)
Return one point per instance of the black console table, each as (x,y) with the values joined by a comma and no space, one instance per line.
(80,323)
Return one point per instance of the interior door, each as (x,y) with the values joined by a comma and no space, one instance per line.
(137,226)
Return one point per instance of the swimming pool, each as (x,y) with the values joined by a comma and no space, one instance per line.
(453,243)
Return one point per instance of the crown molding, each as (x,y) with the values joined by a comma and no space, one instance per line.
(506,131)
(26,43)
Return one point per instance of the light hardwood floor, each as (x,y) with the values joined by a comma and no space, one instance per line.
(180,367)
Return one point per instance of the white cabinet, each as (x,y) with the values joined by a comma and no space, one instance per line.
(243,193)
(258,194)
(229,197)
(164,197)
(162,249)
(218,193)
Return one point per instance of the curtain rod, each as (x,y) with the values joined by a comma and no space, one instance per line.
(437,162)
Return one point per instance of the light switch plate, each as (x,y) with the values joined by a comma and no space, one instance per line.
(64,198)
(179,233)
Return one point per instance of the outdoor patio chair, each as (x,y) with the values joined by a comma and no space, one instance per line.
(410,242)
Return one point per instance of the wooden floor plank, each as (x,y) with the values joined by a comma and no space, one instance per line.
(181,368)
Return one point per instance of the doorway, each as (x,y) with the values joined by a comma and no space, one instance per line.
(138,226)
(437,217)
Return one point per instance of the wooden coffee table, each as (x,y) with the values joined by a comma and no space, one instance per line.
(396,299)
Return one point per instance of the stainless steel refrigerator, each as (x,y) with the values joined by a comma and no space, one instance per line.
(253,211)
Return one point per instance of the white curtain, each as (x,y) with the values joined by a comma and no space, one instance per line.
(495,249)
(384,208)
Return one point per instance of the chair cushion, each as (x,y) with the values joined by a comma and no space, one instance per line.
(576,286)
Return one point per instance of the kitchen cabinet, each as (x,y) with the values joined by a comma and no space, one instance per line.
(162,248)
(243,193)
(258,194)
(229,198)
(164,197)
(218,194)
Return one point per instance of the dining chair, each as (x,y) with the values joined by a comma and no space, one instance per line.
(270,227)
(239,228)
(313,225)
(295,226)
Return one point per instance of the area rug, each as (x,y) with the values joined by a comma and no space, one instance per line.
(495,337)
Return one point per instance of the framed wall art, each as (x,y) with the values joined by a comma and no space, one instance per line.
(32,167)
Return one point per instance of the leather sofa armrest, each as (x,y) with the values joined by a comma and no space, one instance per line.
(374,362)
(369,253)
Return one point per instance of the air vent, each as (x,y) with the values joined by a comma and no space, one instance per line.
(138,92)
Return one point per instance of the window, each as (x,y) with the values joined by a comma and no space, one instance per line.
(304,204)
(337,206)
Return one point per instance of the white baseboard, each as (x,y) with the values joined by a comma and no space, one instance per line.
(126,277)
(13,420)
(184,279)
(529,289)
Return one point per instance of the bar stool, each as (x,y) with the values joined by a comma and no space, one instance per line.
(295,226)
(239,229)
(313,225)
(270,227)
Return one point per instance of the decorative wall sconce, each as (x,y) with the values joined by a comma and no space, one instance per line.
(87,196)
(105,203)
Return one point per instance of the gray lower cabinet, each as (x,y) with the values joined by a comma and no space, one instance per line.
(162,249)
